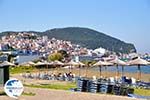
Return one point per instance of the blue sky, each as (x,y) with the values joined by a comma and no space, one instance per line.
(128,20)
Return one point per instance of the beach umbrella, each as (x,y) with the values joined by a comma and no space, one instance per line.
(31,63)
(139,62)
(118,62)
(46,64)
(80,65)
(39,64)
(76,64)
(72,64)
(27,63)
(24,64)
(6,63)
(57,63)
(102,63)
(87,64)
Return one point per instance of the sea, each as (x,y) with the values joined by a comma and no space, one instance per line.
(129,69)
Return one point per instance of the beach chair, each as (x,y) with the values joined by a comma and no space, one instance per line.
(82,85)
(145,85)
(139,96)
(110,88)
(116,90)
(133,82)
(103,88)
(92,86)
(112,80)
(94,78)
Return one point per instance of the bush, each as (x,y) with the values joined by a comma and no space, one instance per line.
(55,56)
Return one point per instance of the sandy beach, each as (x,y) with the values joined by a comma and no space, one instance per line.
(48,94)
(51,94)
(90,73)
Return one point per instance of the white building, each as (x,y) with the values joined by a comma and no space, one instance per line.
(99,51)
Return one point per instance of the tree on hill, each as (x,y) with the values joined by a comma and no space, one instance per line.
(55,56)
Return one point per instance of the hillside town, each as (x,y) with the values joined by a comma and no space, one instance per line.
(29,44)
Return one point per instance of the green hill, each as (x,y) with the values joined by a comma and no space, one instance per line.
(89,38)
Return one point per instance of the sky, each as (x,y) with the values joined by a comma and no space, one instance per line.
(127,20)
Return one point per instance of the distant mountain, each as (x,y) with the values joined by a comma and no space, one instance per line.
(88,38)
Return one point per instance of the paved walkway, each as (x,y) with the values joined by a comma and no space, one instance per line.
(48,94)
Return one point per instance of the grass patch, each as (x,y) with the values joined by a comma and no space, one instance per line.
(21,69)
(66,86)
(2,93)
(28,94)
(142,92)
(25,69)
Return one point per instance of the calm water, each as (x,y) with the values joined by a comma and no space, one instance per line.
(130,69)
(23,59)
